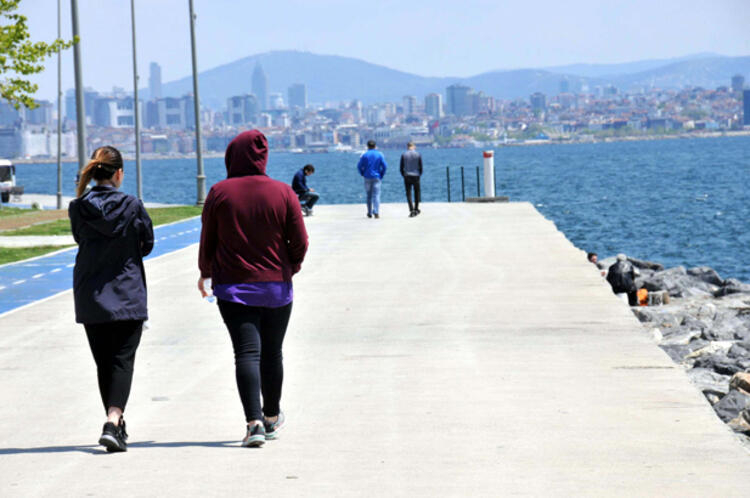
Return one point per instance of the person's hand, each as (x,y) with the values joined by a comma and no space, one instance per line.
(202,286)
(312,190)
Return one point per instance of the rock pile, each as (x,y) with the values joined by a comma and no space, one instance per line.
(706,328)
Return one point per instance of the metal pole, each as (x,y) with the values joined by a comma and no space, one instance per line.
(200,177)
(479,194)
(80,111)
(138,181)
(463,190)
(59,110)
(448,181)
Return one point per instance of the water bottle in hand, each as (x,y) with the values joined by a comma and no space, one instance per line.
(210,298)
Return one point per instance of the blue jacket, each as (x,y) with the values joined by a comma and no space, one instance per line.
(299,182)
(372,164)
(113,232)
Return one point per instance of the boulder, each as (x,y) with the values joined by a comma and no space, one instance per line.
(665,318)
(739,350)
(706,274)
(732,286)
(678,283)
(741,382)
(646,265)
(724,328)
(709,382)
(681,336)
(741,423)
(731,405)
(721,363)
(679,352)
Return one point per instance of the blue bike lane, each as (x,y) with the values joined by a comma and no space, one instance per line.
(31,280)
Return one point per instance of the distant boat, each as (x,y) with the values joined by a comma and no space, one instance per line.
(340,148)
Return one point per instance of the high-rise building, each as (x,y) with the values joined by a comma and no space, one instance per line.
(275,101)
(260,86)
(42,115)
(538,101)
(746,106)
(459,100)
(433,105)
(410,105)
(565,85)
(114,112)
(89,96)
(738,82)
(242,109)
(297,94)
(154,81)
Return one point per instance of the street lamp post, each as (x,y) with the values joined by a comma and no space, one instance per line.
(138,181)
(80,112)
(59,110)
(200,178)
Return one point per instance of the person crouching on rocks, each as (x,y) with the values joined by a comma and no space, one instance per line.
(253,240)
(114,233)
(621,276)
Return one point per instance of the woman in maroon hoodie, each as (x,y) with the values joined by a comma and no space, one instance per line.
(253,241)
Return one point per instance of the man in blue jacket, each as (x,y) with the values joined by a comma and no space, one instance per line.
(307,196)
(372,167)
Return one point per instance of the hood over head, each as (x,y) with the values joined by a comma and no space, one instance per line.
(247,154)
(107,211)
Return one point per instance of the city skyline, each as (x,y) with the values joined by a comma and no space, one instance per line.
(476,38)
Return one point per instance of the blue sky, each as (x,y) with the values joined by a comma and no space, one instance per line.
(431,38)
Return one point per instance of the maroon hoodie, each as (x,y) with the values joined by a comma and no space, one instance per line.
(252,225)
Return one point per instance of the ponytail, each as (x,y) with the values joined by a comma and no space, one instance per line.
(105,161)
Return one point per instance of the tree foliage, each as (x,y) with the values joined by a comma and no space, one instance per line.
(19,56)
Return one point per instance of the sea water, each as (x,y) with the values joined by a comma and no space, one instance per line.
(678,202)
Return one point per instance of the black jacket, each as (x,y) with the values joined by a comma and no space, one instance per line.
(113,232)
(621,276)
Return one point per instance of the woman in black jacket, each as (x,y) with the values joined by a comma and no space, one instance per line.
(114,233)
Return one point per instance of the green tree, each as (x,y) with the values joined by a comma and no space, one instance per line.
(20,57)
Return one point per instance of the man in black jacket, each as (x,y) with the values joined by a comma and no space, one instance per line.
(307,196)
(621,276)
(411,170)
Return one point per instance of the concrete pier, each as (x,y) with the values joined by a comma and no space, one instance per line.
(470,351)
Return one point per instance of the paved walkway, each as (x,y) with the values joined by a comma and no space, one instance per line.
(471,351)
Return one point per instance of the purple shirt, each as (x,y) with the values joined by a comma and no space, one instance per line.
(264,294)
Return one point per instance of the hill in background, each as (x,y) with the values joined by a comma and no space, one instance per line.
(331,78)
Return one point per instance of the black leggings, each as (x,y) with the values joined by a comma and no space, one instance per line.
(113,345)
(409,183)
(257,335)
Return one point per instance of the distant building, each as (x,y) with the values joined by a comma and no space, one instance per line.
(410,105)
(433,105)
(171,113)
(260,86)
(738,83)
(242,109)
(538,101)
(297,94)
(89,96)
(275,101)
(746,107)
(112,112)
(565,85)
(9,116)
(42,115)
(459,100)
(154,81)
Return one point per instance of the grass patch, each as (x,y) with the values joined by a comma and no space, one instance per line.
(159,216)
(11,254)
(12,211)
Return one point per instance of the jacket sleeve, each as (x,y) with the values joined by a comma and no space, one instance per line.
(383,166)
(145,230)
(207,248)
(361,165)
(73,215)
(295,234)
(401,167)
(420,165)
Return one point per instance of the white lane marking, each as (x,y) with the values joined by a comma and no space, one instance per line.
(17,282)
(38,275)
(56,270)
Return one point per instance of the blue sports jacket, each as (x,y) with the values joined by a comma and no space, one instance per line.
(372,164)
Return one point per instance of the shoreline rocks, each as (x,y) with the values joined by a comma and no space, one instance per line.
(706,329)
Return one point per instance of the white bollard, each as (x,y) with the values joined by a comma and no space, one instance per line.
(489,173)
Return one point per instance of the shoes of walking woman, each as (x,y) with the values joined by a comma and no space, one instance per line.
(272,428)
(113,438)
(255,437)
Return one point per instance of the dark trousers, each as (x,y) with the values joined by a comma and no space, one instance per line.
(257,335)
(113,345)
(412,182)
(308,199)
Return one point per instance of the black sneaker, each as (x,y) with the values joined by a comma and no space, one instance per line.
(112,438)
(412,214)
(272,428)
(376,215)
(369,215)
(255,437)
